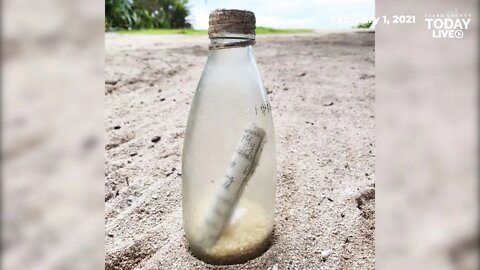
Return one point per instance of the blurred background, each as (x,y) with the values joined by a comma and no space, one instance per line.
(52,134)
(426,140)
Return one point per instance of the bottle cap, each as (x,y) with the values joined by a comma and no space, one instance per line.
(231,23)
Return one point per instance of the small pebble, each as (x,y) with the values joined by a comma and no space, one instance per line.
(156,139)
(155,196)
(328,103)
(111,82)
(302,74)
(275,267)
(326,253)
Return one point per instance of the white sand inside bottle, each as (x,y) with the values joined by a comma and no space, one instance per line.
(245,236)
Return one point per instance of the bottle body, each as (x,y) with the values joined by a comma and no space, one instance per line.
(229,161)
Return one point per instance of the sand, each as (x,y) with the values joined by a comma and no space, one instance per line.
(244,237)
(321,89)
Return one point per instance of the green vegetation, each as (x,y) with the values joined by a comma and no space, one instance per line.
(260,30)
(268,30)
(164,32)
(364,25)
(145,14)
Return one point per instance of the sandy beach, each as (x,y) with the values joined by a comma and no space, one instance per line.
(321,88)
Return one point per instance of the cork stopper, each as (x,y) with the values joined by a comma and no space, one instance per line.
(231,23)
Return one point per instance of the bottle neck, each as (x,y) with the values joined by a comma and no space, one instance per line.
(231,51)
(220,43)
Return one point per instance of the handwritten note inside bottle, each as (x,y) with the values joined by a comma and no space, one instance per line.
(239,171)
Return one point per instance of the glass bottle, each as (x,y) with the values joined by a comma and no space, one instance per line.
(229,155)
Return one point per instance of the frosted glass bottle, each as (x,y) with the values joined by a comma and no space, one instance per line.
(229,156)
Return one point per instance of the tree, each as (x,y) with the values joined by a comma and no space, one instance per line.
(141,14)
(119,14)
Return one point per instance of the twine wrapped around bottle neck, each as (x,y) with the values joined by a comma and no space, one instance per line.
(231,24)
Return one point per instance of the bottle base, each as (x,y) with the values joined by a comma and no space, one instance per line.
(245,238)
(228,257)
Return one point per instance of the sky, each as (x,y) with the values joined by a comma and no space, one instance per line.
(314,14)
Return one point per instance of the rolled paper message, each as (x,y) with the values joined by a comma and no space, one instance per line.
(239,171)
